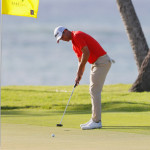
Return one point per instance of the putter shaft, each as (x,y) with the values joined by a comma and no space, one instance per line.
(68,103)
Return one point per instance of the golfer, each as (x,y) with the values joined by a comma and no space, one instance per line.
(89,50)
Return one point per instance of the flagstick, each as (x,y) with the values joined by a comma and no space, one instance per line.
(0,67)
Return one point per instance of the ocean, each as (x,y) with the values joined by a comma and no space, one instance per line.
(31,56)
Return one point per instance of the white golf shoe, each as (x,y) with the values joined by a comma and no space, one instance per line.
(92,125)
(81,125)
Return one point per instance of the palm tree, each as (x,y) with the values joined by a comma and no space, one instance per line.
(138,44)
(142,83)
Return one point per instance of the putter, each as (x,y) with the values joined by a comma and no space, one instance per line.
(60,124)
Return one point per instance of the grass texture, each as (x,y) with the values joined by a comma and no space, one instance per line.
(44,105)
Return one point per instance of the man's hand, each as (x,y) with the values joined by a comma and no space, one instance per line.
(78,78)
(82,62)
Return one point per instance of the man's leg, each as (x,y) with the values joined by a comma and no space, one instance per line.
(98,74)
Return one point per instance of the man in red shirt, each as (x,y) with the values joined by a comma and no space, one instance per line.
(89,50)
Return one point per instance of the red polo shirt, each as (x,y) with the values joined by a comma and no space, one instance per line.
(81,39)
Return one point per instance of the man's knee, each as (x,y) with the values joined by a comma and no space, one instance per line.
(95,90)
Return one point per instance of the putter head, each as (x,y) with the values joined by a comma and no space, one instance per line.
(59,125)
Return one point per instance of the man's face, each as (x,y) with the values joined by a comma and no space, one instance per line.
(66,36)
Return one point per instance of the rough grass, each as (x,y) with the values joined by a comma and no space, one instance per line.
(115,98)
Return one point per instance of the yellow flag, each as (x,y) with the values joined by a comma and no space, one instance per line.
(26,8)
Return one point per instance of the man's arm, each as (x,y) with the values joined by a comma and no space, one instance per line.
(82,62)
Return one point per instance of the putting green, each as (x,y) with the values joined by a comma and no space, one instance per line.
(31,137)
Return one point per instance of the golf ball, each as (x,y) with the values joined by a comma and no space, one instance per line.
(53,135)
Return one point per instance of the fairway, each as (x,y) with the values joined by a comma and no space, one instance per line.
(30,137)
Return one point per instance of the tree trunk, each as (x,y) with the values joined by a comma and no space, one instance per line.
(143,81)
(134,31)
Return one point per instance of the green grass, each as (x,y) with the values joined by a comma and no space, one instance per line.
(44,105)
(114,98)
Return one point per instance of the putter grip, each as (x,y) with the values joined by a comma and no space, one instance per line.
(75,85)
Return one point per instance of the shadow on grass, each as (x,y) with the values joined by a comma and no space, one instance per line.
(106,107)
(126,127)
(34,112)
(18,107)
(116,106)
